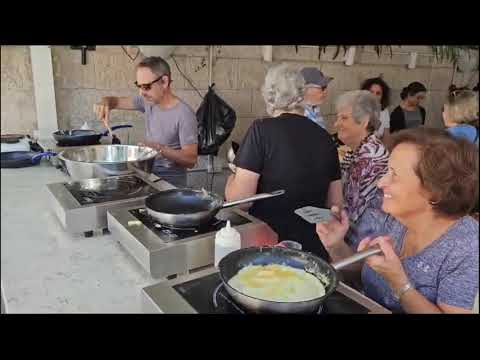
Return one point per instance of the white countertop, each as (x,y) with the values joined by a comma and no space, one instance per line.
(44,269)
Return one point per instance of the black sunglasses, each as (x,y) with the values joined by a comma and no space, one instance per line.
(457,92)
(323,88)
(148,86)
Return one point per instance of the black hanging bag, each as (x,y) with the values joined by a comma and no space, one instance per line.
(216,120)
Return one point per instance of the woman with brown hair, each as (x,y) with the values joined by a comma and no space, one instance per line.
(409,114)
(380,89)
(429,261)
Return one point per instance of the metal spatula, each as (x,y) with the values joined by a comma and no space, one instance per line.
(314,215)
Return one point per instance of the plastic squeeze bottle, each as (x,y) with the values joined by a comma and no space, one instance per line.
(227,240)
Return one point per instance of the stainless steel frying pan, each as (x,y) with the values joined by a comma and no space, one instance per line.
(189,208)
(231,264)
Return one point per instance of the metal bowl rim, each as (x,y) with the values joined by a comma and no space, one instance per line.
(153,154)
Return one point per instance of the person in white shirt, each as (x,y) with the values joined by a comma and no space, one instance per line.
(315,93)
(378,87)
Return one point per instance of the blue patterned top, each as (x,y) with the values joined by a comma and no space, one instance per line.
(446,271)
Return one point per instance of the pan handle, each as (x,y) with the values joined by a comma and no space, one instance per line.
(253,198)
(373,250)
(40,155)
(105,133)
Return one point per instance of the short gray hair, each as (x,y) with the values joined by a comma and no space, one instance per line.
(363,103)
(157,65)
(283,88)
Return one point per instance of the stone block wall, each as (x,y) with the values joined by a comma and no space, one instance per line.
(238,72)
(18,114)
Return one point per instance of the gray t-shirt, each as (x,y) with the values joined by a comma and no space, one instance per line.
(413,118)
(446,271)
(175,127)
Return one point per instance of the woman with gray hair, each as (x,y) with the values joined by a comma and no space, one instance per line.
(358,114)
(283,90)
(287,151)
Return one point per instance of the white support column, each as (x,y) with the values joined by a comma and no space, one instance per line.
(44,90)
(350,56)
(267,51)
(412,63)
(3,299)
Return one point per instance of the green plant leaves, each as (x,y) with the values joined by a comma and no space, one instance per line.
(450,53)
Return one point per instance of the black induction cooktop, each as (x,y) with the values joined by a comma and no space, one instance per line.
(110,189)
(200,294)
(169,233)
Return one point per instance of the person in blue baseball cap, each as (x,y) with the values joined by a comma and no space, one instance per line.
(315,93)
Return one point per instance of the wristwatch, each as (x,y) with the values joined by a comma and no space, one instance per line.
(399,293)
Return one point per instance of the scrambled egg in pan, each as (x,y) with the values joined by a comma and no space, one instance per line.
(276,282)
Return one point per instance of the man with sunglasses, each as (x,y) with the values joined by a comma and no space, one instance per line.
(315,93)
(170,123)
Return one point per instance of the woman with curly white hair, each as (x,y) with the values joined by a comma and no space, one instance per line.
(287,151)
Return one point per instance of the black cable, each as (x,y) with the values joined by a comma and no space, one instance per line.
(209,183)
(186,78)
(213,173)
(126,52)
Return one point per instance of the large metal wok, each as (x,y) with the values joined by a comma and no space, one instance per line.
(231,264)
(190,208)
(108,186)
(100,161)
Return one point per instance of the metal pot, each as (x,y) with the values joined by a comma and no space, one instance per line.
(231,264)
(190,208)
(100,161)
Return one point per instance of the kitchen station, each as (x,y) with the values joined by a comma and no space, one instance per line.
(83,236)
